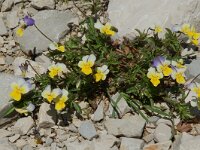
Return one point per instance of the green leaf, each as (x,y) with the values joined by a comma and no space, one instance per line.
(77,107)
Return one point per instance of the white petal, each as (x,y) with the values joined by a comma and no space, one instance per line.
(57,91)
(98,25)
(151,69)
(106,72)
(30,107)
(51,67)
(85,58)
(104,68)
(21,81)
(193,103)
(92,58)
(65,92)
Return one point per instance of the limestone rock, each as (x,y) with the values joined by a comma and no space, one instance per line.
(131,144)
(159,146)
(87,130)
(23,125)
(5,145)
(4,133)
(121,106)
(135,14)
(43,4)
(52,23)
(3,30)
(14,138)
(128,127)
(47,116)
(162,133)
(99,113)
(7,5)
(192,70)
(12,19)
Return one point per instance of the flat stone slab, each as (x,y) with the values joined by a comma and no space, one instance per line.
(52,23)
(192,69)
(142,14)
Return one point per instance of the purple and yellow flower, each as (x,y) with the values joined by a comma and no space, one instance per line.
(178,75)
(60,102)
(179,64)
(55,46)
(57,69)
(29,21)
(105,29)
(162,65)
(49,94)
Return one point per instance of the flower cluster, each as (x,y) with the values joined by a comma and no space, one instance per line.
(190,31)
(57,96)
(27,21)
(57,70)
(86,67)
(164,68)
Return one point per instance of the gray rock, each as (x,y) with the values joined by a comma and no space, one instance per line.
(148,138)
(121,106)
(72,128)
(43,4)
(23,125)
(129,127)
(27,147)
(21,143)
(7,5)
(47,116)
(192,70)
(12,19)
(5,145)
(99,113)
(153,119)
(84,145)
(131,144)
(2,60)
(1,41)
(52,23)
(3,30)
(165,121)
(4,133)
(162,133)
(87,130)
(135,14)
(14,138)
(48,141)
(159,146)
(9,60)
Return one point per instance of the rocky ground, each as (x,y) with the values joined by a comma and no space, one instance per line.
(99,131)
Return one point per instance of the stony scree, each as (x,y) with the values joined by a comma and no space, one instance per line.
(5,133)
(12,19)
(162,133)
(7,5)
(192,70)
(47,20)
(3,30)
(87,130)
(5,145)
(47,116)
(134,14)
(131,126)
(159,146)
(23,125)
(99,113)
(131,143)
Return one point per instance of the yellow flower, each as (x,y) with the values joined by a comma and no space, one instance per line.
(101,73)
(179,64)
(87,63)
(57,70)
(49,94)
(185,28)
(55,46)
(19,88)
(179,76)
(164,68)
(20,32)
(22,111)
(154,76)
(105,29)
(60,103)
(158,29)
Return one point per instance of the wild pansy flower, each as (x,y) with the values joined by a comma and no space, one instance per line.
(87,63)
(101,73)
(28,21)
(162,65)
(154,76)
(105,29)
(178,75)
(60,102)
(49,94)
(185,28)
(55,46)
(179,64)
(195,87)
(19,88)
(25,111)
(158,29)
(57,69)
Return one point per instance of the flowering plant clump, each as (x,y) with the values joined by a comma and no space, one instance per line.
(147,71)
